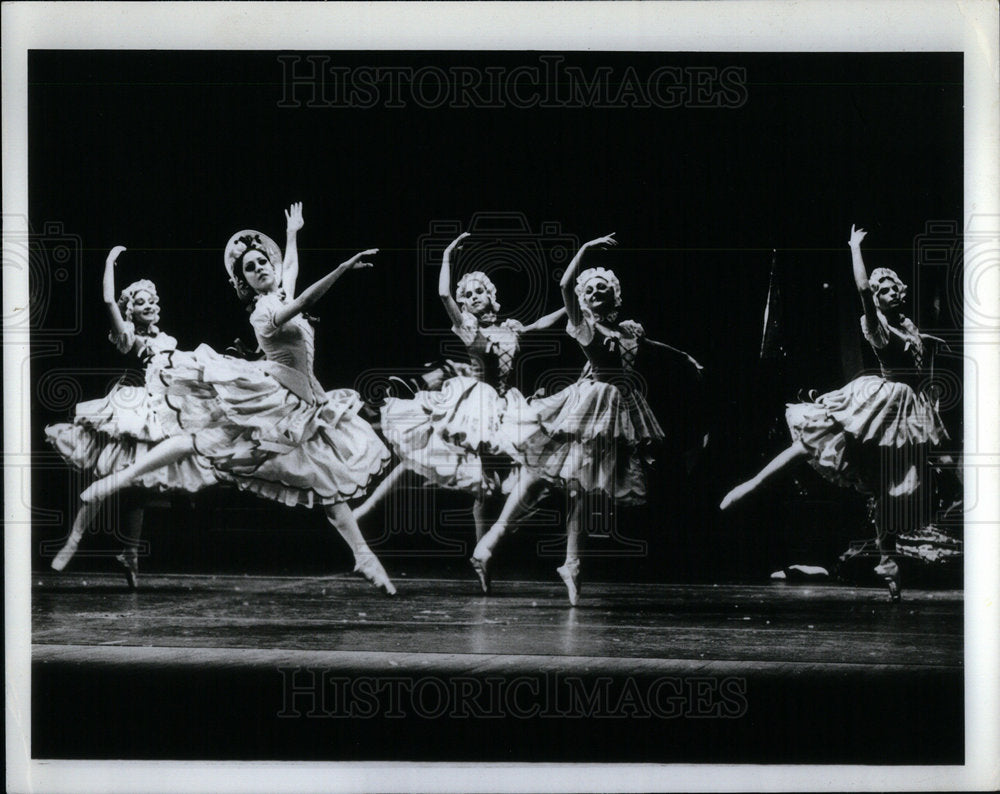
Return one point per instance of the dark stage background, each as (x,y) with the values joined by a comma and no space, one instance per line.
(169,153)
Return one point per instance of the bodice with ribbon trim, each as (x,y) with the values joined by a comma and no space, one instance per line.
(492,348)
(901,349)
(611,350)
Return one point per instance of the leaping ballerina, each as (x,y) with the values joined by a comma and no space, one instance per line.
(108,434)
(452,436)
(269,427)
(591,437)
(872,433)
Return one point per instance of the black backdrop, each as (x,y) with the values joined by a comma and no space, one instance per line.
(170,152)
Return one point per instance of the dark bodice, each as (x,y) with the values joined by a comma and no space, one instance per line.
(492,350)
(900,350)
(144,345)
(610,349)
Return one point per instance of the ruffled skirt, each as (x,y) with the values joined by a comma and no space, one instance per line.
(264,438)
(870,414)
(451,436)
(108,434)
(591,436)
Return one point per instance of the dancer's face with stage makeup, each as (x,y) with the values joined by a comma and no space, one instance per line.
(475,298)
(145,308)
(598,296)
(259,272)
(888,296)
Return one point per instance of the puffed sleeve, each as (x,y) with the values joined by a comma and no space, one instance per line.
(467,330)
(877,337)
(514,326)
(263,314)
(124,341)
(582,332)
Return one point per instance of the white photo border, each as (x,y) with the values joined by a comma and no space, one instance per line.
(864,26)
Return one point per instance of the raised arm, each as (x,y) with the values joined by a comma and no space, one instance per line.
(114,313)
(569,277)
(316,291)
(444,282)
(861,276)
(546,321)
(290,265)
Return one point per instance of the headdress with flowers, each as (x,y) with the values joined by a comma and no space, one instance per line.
(238,246)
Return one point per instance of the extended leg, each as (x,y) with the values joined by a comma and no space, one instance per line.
(381,491)
(163,454)
(887,567)
(84,516)
(784,459)
(518,503)
(365,561)
(569,572)
(130,529)
(482,509)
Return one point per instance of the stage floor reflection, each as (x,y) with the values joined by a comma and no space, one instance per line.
(248,667)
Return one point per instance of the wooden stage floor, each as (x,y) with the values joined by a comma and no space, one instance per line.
(235,667)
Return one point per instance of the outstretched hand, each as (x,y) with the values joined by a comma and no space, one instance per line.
(355,263)
(857,235)
(608,239)
(114,254)
(632,329)
(108,287)
(293,217)
(455,243)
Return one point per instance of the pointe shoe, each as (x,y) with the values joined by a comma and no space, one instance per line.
(889,571)
(570,574)
(481,567)
(65,554)
(80,524)
(130,562)
(371,569)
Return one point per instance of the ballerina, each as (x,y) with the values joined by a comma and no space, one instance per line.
(109,433)
(268,427)
(591,437)
(871,433)
(451,435)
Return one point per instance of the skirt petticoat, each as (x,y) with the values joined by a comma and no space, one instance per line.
(590,437)
(264,438)
(869,413)
(443,435)
(109,433)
